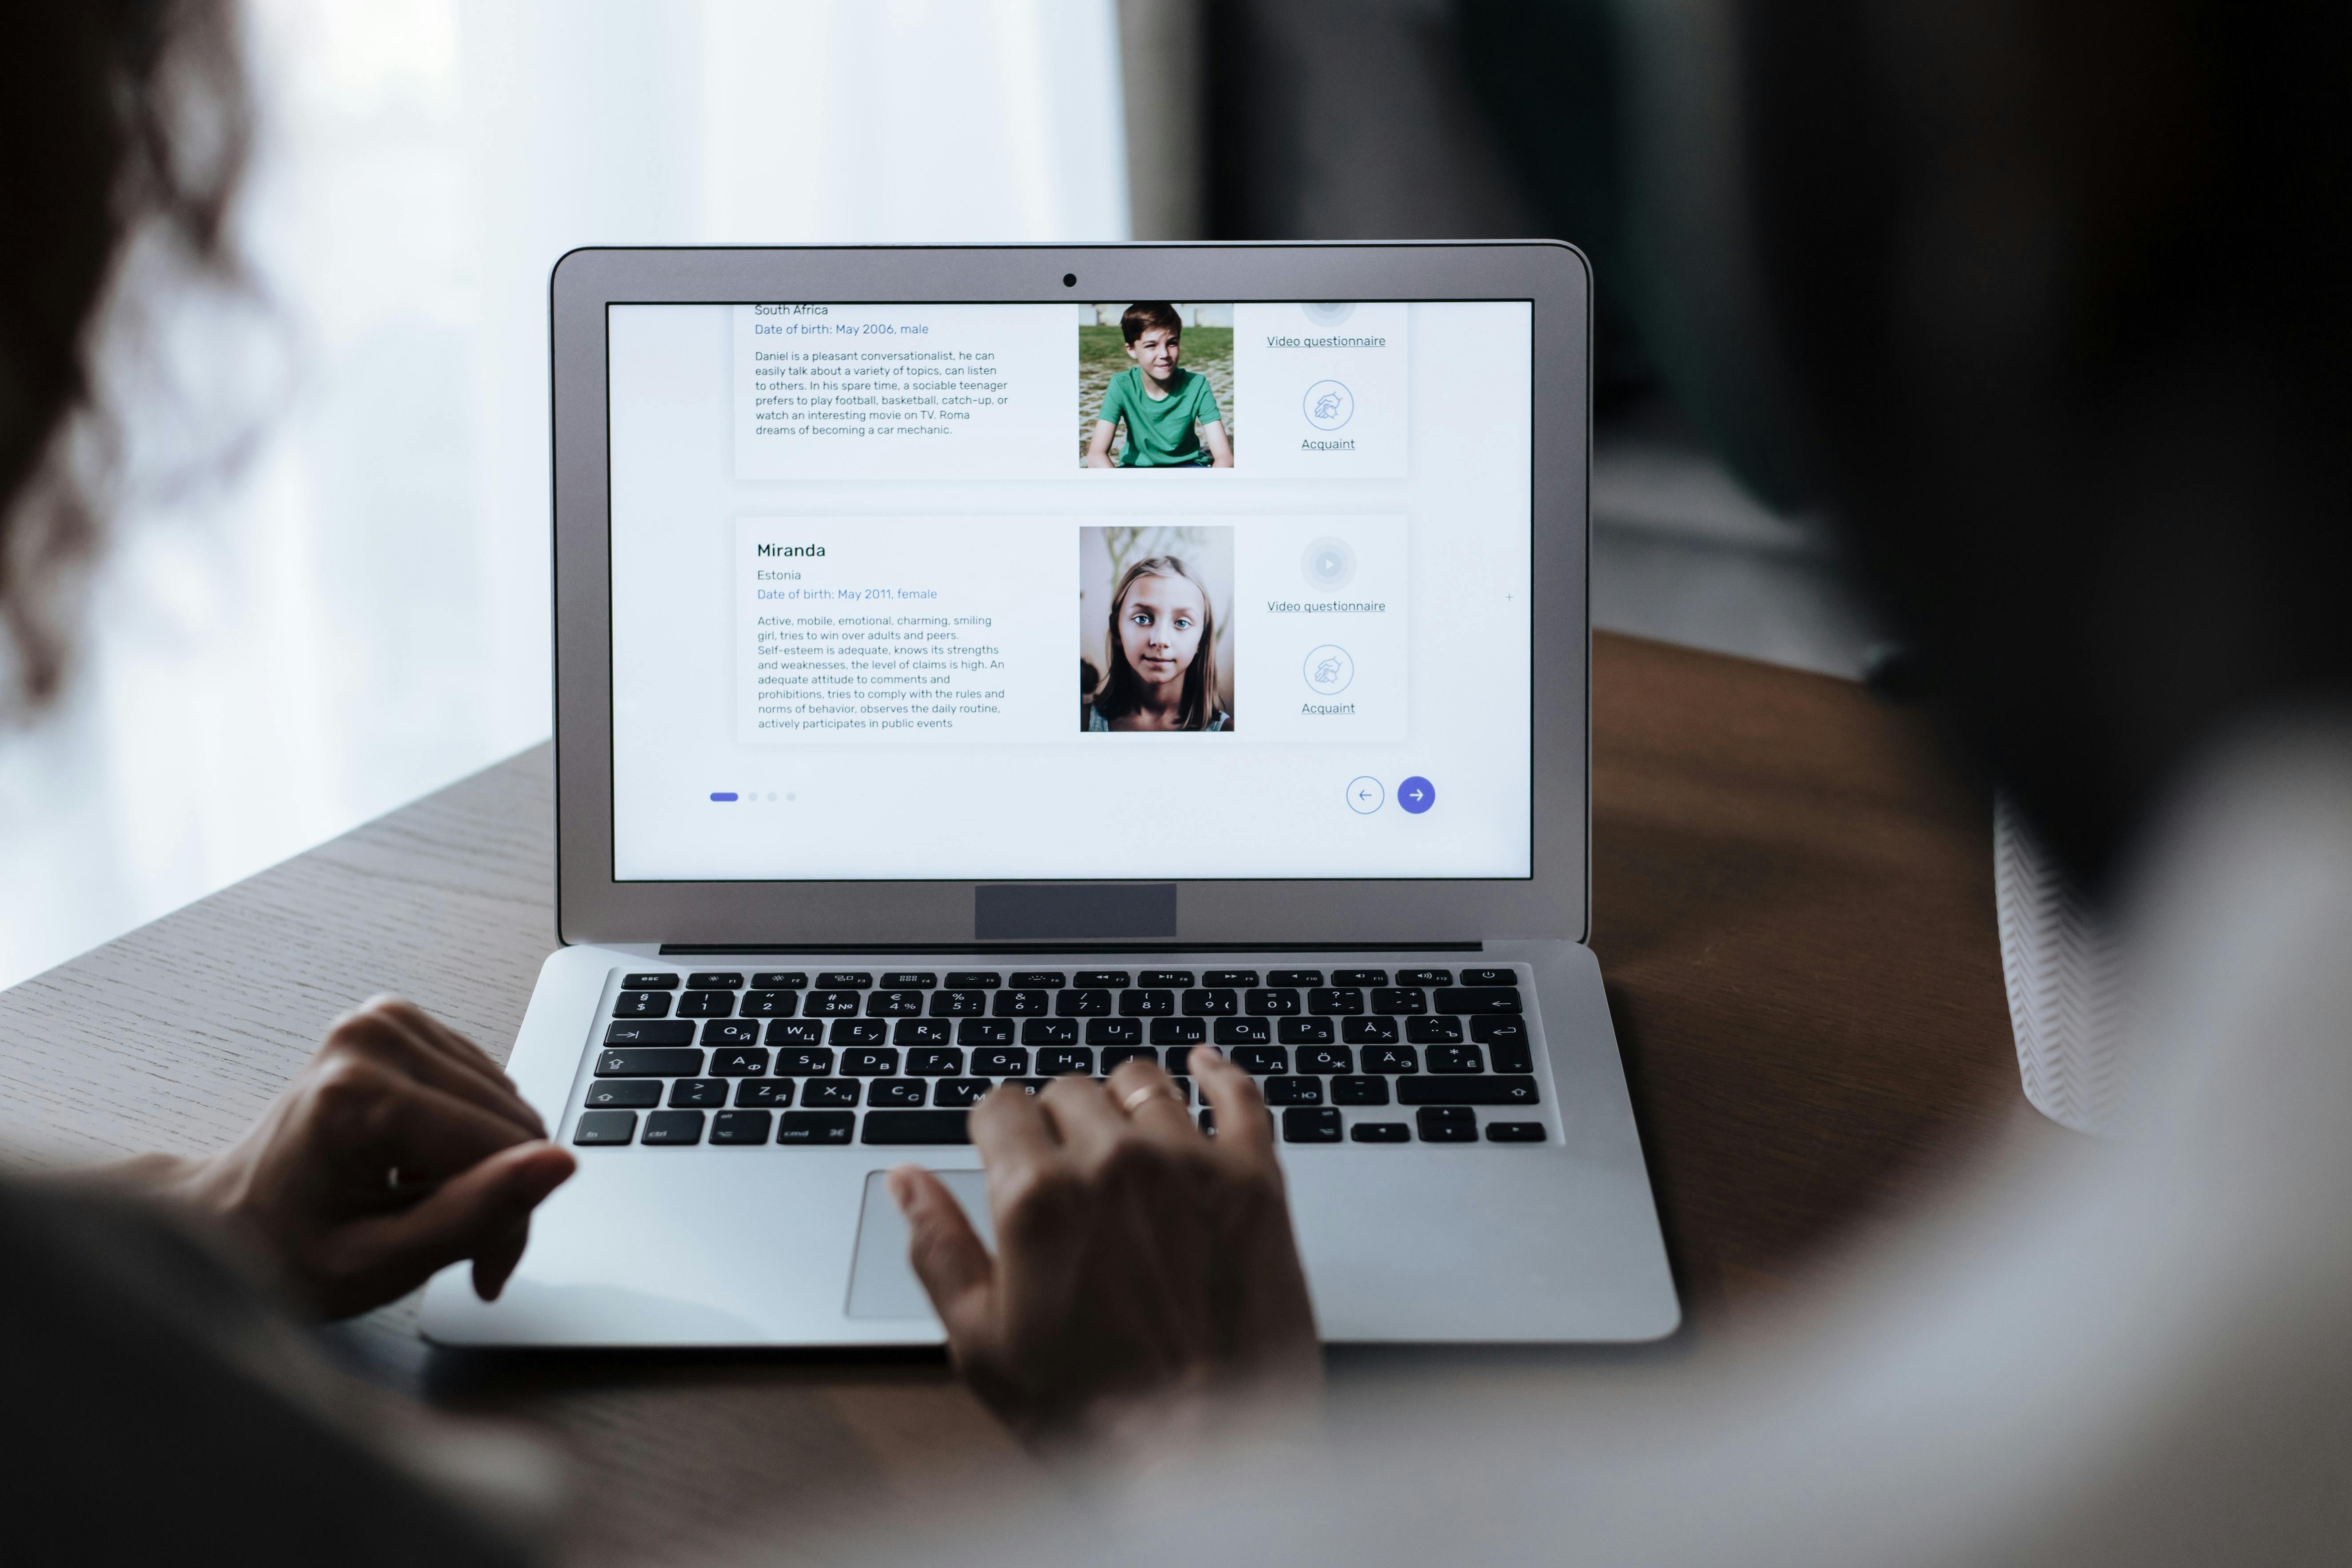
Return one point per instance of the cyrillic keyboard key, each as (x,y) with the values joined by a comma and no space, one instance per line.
(923,1031)
(1082,1004)
(815,1127)
(1114,1032)
(624,1093)
(780,979)
(1329,1001)
(1243,1031)
(1050,1032)
(1025,1003)
(697,1092)
(1305,1031)
(706,1004)
(915,1127)
(1117,1053)
(722,1032)
(984,1032)
(1392,1000)
(1368,1031)
(1030,1086)
(673,1127)
(1270,1004)
(803,1061)
(1230,977)
(1212,1004)
(713,980)
(1176,979)
(909,980)
(749,1062)
(934,1063)
(1146,1003)
(1446,1123)
(1455,1059)
(1326,1059)
(848,1032)
(1425,977)
(1497,1089)
(1434,1031)
(1359,977)
(648,982)
(1180,1059)
(1000,1063)
(1381,1133)
(1260,1058)
(868,1062)
(958,1091)
(897,1091)
(1515,1133)
(765,1093)
(893,1004)
(973,979)
(829,1091)
(769,1003)
(1060,1061)
(1459,1000)
(603,1129)
(796,1032)
(959,1003)
(1294,977)
(1490,977)
(642,1005)
(1179,1031)
(1392,1058)
(845,980)
(1292,1090)
(647,1061)
(830,1004)
(741,1127)
(667,1032)
(1359,1091)
(1305,1126)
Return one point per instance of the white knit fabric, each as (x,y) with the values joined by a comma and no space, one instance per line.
(2064,968)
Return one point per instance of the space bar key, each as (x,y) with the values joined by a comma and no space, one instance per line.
(916,1127)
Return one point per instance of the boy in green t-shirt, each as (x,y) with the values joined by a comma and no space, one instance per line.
(1171,415)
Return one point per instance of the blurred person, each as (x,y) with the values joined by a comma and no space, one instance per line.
(1171,413)
(1163,651)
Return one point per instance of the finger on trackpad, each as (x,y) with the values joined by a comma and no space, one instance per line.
(881,1285)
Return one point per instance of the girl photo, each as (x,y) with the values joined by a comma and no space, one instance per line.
(1155,629)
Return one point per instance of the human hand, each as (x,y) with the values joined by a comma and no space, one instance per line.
(399,1148)
(1141,1270)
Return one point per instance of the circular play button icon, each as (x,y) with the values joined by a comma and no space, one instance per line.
(1416,794)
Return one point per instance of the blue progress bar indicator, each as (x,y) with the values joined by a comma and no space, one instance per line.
(722,794)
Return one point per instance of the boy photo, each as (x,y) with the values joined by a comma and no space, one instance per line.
(1155,629)
(1156,386)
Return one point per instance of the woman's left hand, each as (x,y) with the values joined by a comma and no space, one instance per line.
(400,1149)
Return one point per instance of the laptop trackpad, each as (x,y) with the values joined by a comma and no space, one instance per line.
(881,1285)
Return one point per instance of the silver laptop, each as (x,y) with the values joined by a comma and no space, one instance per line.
(847,836)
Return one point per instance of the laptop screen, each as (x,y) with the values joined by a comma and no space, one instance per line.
(1138,589)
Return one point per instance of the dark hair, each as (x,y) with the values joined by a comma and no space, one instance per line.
(1122,691)
(1142,318)
(125,127)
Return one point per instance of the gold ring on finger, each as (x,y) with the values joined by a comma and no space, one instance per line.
(1149,1091)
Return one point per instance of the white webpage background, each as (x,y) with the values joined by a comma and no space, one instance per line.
(1110,806)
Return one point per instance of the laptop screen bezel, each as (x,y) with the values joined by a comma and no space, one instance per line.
(1554,900)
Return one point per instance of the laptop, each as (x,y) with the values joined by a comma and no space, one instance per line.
(847,835)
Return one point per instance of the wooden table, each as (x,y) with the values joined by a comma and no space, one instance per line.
(1794,907)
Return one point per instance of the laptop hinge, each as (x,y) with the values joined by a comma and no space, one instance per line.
(688,949)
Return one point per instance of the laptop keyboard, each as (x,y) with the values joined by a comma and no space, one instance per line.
(801,1057)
